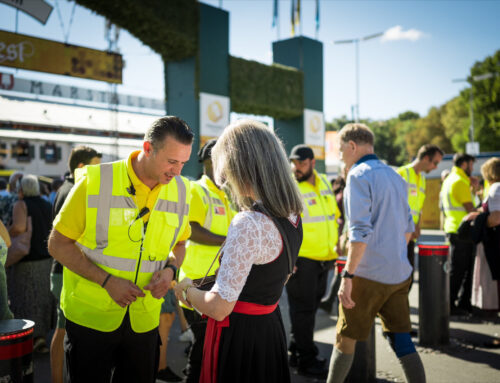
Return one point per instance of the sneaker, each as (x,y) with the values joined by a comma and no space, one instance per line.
(186,336)
(167,375)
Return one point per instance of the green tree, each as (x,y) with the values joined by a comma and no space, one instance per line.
(486,103)
(455,119)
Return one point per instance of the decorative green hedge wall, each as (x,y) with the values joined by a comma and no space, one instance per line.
(276,90)
(169,27)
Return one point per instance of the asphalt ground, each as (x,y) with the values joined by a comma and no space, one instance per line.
(465,359)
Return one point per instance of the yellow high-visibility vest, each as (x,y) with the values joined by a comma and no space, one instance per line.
(453,210)
(217,220)
(319,220)
(416,190)
(116,241)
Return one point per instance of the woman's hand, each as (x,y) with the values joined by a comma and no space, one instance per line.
(179,288)
(471,216)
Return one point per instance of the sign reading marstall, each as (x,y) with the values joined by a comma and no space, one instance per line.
(314,132)
(31,53)
(214,116)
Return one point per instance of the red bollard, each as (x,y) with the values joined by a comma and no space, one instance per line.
(16,350)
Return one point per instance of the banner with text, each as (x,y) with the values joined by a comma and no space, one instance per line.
(31,53)
(314,132)
(214,116)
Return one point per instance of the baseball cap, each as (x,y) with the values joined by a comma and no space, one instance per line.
(206,150)
(301,152)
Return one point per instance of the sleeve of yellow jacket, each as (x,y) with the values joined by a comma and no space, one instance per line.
(461,192)
(70,221)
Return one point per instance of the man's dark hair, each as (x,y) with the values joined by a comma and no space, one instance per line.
(429,150)
(81,155)
(460,158)
(169,126)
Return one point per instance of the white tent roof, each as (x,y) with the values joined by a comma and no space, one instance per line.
(77,117)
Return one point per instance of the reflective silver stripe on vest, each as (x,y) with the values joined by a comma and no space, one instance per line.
(208,219)
(152,266)
(328,186)
(326,192)
(117,263)
(422,190)
(170,206)
(182,207)
(450,207)
(309,195)
(413,212)
(104,202)
(331,217)
(408,179)
(320,218)
(216,201)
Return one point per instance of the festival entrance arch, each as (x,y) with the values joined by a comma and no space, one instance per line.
(203,83)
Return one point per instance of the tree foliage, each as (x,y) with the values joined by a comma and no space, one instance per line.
(397,140)
(170,27)
(486,94)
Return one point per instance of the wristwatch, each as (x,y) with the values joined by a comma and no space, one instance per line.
(346,274)
(174,269)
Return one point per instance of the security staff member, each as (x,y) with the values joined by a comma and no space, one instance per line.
(456,201)
(428,158)
(113,235)
(210,214)
(308,284)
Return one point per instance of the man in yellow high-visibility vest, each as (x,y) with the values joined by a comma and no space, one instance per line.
(428,158)
(456,201)
(307,285)
(113,236)
(210,215)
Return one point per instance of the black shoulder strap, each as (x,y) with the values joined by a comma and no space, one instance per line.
(262,209)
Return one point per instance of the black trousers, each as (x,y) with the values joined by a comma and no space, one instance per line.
(198,327)
(462,255)
(118,356)
(305,289)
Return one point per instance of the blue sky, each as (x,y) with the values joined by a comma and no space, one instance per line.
(395,76)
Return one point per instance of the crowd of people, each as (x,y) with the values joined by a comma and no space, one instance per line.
(115,250)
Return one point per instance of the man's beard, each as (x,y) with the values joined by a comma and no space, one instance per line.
(304,177)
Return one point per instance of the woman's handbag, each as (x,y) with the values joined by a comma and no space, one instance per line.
(20,246)
(206,283)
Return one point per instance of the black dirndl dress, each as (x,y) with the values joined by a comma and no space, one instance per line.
(250,344)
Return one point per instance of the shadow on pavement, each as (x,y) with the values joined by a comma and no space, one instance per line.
(468,346)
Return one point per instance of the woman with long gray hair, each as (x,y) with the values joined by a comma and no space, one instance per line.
(245,339)
(29,279)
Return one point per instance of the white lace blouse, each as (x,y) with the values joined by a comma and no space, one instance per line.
(252,239)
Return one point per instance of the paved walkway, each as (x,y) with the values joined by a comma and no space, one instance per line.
(465,359)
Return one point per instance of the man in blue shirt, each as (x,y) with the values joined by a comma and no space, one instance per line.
(376,278)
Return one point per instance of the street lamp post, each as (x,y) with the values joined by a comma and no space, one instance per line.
(477,78)
(356,46)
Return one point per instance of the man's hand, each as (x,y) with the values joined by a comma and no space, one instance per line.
(416,234)
(344,293)
(160,283)
(123,291)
